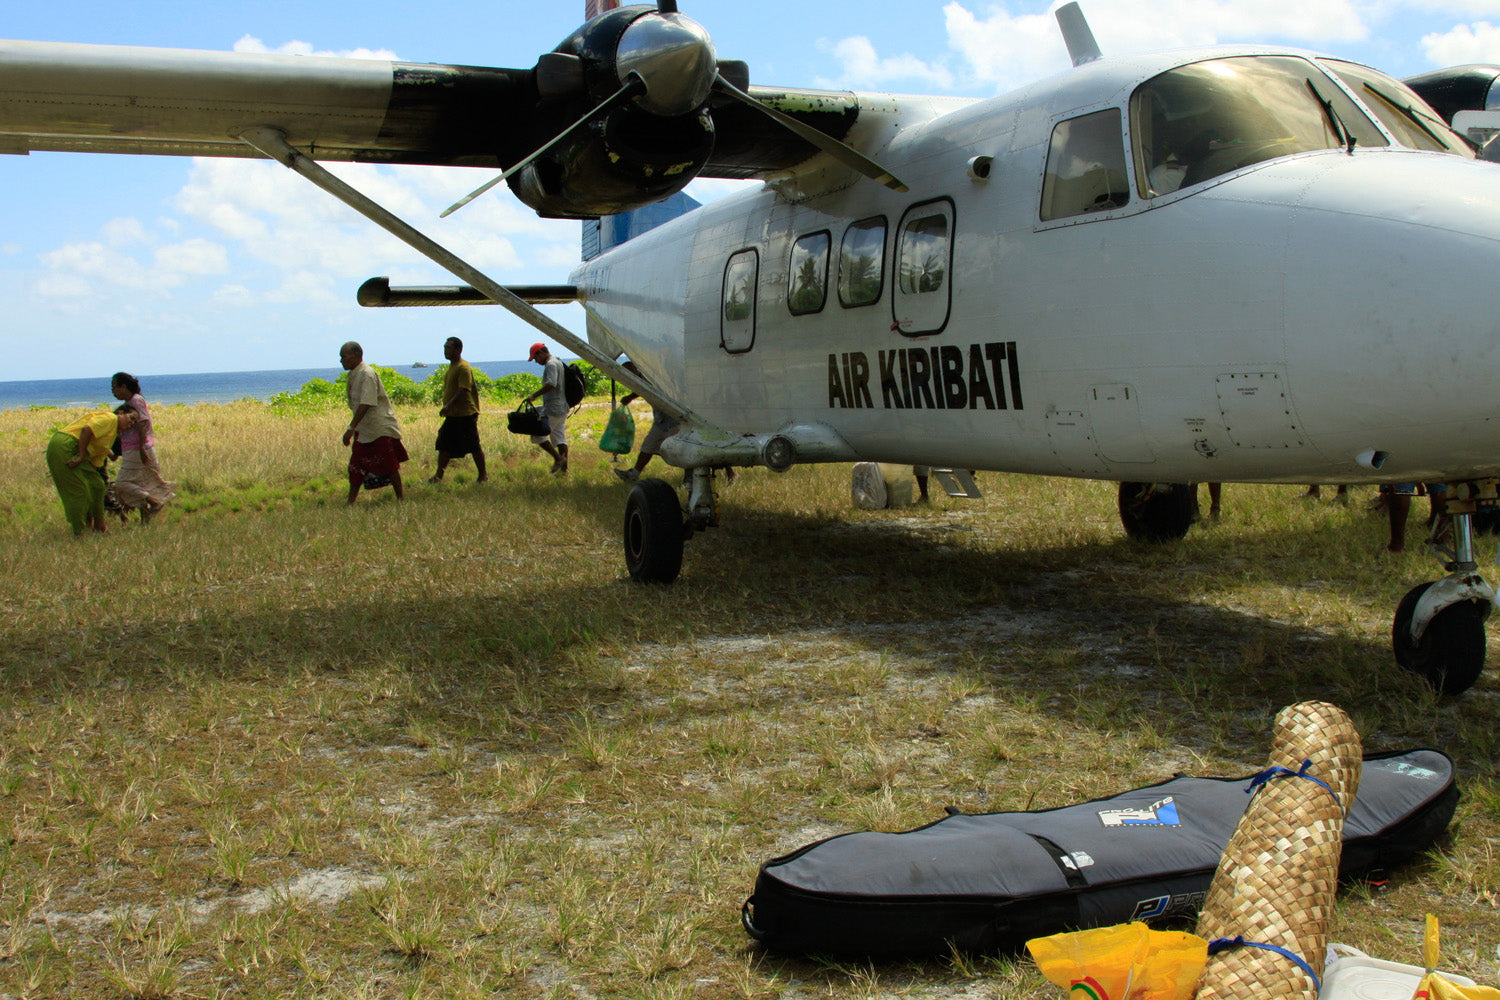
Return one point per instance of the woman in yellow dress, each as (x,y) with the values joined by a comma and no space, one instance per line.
(76,456)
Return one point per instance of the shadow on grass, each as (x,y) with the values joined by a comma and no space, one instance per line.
(1095,633)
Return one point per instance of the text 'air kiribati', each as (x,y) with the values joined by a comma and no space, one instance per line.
(983,376)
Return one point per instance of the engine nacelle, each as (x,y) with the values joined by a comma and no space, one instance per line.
(640,152)
(628,160)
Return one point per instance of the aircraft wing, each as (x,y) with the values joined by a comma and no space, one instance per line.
(119,99)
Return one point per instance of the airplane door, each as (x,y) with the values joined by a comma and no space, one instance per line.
(737,314)
(924,266)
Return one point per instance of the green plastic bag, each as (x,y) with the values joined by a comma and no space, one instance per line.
(619,433)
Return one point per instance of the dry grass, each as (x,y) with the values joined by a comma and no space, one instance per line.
(272,747)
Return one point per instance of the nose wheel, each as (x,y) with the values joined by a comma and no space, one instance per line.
(1438,630)
(1449,655)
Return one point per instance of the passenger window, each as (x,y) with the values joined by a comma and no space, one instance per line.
(922,259)
(924,256)
(1085,167)
(862,263)
(737,326)
(807,285)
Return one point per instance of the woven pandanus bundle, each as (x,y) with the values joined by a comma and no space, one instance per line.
(1275,884)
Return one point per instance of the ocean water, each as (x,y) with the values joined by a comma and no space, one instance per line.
(209,387)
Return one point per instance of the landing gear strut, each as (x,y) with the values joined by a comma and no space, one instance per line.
(1156,512)
(656,525)
(1438,631)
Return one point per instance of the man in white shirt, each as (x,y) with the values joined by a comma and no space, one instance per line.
(554,408)
(373,434)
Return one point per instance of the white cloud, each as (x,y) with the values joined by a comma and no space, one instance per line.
(122,232)
(1465,43)
(249,43)
(1459,8)
(77,268)
(863,67)
(997,49)
(233,296)
(195,256)
(305,287)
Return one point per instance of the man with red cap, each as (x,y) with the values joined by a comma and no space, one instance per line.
(554,408)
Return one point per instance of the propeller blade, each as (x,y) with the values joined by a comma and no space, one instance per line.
(633,87)
(843,152)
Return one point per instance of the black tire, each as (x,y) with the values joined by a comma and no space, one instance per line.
(1156,512)
(1450,656)
(653,532)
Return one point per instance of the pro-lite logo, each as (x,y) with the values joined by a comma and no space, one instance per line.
(1160,813)
(983,377)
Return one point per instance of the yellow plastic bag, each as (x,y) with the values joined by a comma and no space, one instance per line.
(1433,986)
(1123,962)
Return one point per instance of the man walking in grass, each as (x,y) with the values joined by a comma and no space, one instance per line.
(459,434)
(554,407)
(373,436)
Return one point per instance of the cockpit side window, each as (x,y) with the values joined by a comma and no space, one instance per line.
(1085,167)
(1196,122)
(1400,110)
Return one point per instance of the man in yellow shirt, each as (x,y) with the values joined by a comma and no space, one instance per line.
(76,456)
(459,434)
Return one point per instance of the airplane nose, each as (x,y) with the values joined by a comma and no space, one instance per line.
(1392,333)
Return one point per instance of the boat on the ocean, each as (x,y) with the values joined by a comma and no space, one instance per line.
(418,364)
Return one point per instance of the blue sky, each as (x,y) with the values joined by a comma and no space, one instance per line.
(158,265)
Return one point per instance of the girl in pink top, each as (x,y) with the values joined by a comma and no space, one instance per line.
(139,485)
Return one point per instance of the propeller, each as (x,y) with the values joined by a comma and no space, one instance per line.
(667,67)
(841,151)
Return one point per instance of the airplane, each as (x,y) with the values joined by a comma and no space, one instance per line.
(1228,263)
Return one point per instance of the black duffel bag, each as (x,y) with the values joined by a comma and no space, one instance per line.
(528,420)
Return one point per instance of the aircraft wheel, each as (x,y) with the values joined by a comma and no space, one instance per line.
(653,532)
(1156,512)
(1450,656)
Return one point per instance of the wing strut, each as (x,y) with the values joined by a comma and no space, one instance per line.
(272,142)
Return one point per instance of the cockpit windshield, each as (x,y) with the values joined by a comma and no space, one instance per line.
(1199,121)
(1400,110)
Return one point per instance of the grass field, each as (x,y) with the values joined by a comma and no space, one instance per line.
(270,746)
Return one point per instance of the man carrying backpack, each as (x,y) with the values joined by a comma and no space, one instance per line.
(554,408)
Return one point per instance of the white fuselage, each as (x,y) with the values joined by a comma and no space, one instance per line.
(1285,321)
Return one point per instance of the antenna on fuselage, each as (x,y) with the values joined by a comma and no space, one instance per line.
(1076,34)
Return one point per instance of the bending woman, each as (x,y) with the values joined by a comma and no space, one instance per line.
(76,456)
(139,485)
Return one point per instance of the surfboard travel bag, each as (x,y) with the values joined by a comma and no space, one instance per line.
(989,882)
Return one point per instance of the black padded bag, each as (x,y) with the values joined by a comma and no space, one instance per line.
(527,420)
(991,882)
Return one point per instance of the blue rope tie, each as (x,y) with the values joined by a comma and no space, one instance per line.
(1282,772)
(1224,944)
